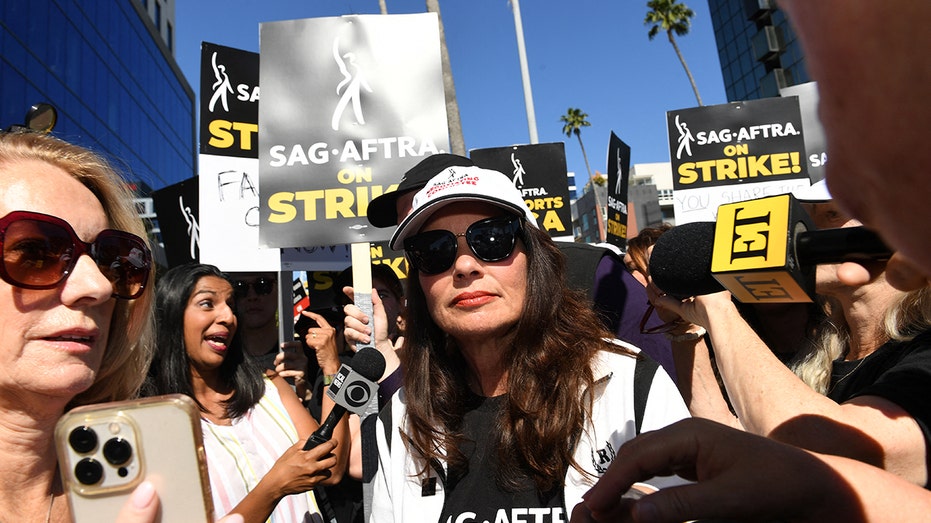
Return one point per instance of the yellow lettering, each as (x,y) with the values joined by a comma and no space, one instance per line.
(726,168)
(395,264)
(551,222)
(707,169)
(322,280)
(354,175)
(339,204)
(780,164)
(756,165)
(280,203)
(734,150)
(687,173)
(246,130)
(220,137)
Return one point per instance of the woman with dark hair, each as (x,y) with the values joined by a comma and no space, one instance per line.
(514,395)
(254,425)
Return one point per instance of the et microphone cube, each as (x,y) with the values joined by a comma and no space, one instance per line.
(754,255)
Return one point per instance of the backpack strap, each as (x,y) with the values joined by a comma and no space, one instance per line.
(644,371)
(386,419)
(581,261)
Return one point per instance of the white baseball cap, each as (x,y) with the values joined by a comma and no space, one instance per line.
(460,184)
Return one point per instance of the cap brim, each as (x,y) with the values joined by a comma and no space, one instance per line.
(414,221)
(382,211)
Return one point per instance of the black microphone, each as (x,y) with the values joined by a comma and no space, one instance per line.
(770,261)
(351,389)
(680,263)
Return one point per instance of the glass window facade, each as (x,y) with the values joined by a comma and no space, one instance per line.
(115,89)
(744,77)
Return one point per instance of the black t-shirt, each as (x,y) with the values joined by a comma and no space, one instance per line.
(474,495)
(898,371)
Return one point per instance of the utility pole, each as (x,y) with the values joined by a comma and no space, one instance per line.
(524,72)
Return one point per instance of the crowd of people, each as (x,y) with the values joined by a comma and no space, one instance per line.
(520,374)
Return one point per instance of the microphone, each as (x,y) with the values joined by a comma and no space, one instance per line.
(762,251)
(680,263)
(352,388)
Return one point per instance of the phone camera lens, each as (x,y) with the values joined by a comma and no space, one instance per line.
(117,451)
(88,471)
(83,439)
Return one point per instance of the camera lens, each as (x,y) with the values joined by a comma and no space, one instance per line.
(83,439)
(88,471)
(117,451)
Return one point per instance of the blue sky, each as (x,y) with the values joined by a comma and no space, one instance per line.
(589,54)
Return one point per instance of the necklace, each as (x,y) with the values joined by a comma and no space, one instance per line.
(51,501)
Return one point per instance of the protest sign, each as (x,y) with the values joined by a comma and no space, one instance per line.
(539,172)
(228,164)
(177,209)
(734,152)
(815,141)
(618,176)
(349,104)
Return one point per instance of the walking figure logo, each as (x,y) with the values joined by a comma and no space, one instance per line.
(519,171)
(685,139)
(349,88)
(193,230)
(221,87)
(617,184)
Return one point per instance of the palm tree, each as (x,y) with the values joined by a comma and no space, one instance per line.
(672,17)
(573,122)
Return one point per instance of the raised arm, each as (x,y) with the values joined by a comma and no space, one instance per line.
(772,401)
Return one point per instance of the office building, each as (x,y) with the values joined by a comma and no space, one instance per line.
(650,196)
(757,47)
(584,217)
(107,67)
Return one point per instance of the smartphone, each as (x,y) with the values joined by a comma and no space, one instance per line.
(105,450)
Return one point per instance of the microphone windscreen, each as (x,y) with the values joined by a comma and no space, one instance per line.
(369,363)
(680,264)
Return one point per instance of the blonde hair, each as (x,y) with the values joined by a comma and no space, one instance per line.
(129,346)
(907,317)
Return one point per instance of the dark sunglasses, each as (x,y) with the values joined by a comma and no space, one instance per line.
(261,286)
(491,240)
(40,251)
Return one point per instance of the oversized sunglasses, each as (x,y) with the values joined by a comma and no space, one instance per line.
(491,240)
(261,286)
(40,251)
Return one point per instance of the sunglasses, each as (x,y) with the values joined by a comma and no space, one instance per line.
(669,326)
(40,251)
(261,286)
(491,240)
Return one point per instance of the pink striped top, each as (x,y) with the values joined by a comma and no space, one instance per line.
(239,455)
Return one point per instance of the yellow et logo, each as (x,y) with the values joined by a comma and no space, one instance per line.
(751,235)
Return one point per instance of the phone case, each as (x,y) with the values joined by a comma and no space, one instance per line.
(105,450)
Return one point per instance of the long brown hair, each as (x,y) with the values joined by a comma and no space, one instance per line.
(549,373)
